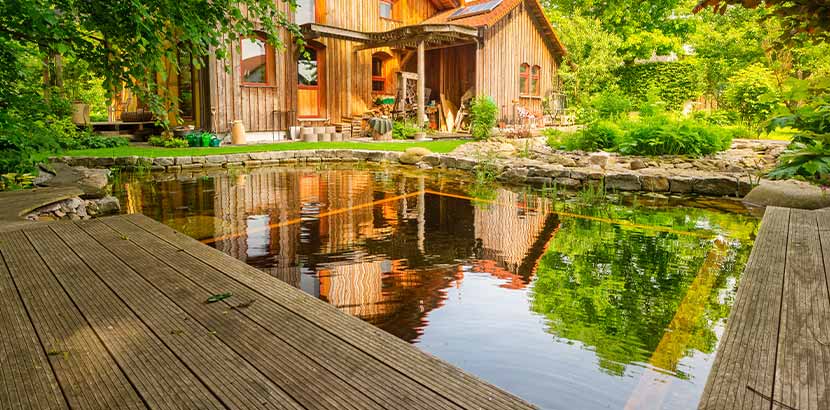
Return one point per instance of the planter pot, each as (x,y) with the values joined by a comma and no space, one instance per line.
(80,113)
(238,133)
(319,130)
(337,137)
(420,136)
(326,137)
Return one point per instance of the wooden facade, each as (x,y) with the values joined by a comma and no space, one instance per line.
(514,33)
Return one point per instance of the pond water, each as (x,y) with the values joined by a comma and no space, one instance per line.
(584,301)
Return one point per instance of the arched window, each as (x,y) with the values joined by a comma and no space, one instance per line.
(257,63)
(524,79)
(379,72)
(535,84)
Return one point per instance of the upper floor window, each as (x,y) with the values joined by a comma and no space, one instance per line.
(257,61)
(386,9)
(524,79)
(306,12)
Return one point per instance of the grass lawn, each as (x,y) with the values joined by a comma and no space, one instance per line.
(154,152)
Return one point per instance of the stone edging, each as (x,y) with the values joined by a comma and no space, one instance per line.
(645,180)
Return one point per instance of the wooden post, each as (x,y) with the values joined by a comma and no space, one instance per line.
(421,86)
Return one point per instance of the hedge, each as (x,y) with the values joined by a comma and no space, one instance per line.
(675,82)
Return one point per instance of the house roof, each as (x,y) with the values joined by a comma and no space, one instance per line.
(492,17)
(445,4)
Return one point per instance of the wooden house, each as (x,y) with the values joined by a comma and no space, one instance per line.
(506,49)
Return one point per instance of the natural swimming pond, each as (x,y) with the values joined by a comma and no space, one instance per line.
(581,301)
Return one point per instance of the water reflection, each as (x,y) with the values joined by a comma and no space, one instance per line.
(565,304)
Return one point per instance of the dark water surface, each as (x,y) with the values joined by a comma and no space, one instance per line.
(569,302)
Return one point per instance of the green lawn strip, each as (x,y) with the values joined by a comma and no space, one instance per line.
(155,152)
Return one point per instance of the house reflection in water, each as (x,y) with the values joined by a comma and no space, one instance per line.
(347,237)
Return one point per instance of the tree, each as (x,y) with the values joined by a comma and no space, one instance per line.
(797,16)
(128,43)
(645,27)
(593,54)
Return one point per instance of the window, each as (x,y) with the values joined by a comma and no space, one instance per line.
(535,85)
(306,12)
(386,9)
(307,69)
(257,61)
(524,79)
(378,73)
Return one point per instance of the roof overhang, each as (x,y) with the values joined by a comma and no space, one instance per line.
(433,35)
(445,4)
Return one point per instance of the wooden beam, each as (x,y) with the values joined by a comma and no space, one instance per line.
(421,85)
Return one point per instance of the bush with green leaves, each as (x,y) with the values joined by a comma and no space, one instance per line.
(665,135)
(483,116)
(166,142)
(808,157)
(597,136)
(611,104)
(402,130)
(751,93)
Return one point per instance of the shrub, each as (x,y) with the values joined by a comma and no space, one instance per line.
(611,104)
(808,156)
(674,82)
(167,142)
(483,112)
(402,130)
(751,93)
(87,140)
(601,135)
(663,135)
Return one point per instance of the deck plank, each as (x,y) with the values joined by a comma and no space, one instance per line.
(287,367)
(232,379)
(450,382)
(823,216)
(743,371)
(352,365)
(801,371)
(87,374)
(22,356)
(160,378)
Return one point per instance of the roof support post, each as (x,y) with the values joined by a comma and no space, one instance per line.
(421,86)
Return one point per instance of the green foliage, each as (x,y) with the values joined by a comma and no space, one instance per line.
(593,54)
(402,130)
(611,104)
(797,17)
(808,157)
(674,83)
(13,181)
(167,142)
(601,135)
(663,135)
(85,139)
(751,93)
(483,116)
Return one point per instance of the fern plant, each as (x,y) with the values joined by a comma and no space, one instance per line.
(808,156)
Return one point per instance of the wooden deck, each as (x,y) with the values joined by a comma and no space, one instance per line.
(112,314)
(775,353)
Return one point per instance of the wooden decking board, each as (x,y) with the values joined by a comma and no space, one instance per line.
(231,378)
(801,374)
(823,216)
(450,382)
(364,373)
(287,367)
(22,356)
(746,358)
(159,377)
(87,374)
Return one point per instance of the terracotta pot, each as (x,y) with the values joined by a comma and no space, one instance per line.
(238,133)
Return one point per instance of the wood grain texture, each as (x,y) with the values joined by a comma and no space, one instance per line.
(155,372)
(450,382)
(802,373)
(22,357)
(745,362)
(88,375)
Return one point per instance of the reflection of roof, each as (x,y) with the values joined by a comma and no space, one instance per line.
(251,63)
(492,17)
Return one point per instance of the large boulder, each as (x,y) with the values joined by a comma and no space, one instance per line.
(94,182)
(789,194)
